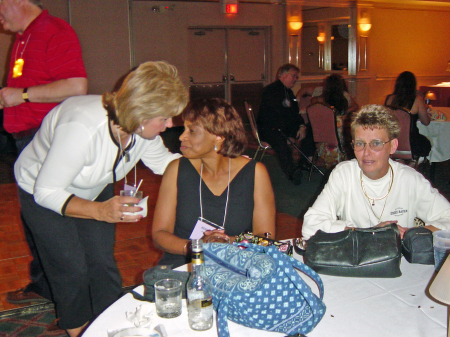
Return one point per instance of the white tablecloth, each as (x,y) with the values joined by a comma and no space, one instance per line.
(438,132)
(356,307)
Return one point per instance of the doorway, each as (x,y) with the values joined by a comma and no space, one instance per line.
(229,63)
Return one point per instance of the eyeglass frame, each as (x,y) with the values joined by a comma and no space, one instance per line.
(375,140)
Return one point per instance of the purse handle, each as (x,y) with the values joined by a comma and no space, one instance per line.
(294,277)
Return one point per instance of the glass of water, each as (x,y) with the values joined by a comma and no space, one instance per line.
(131,193)
(168,298)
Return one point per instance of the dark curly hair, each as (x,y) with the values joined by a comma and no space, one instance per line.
(219,118)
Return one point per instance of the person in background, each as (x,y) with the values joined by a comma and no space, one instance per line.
(66,176)
(46,67)
(406,96)
(373,190)
(335,93)
(213,181)
(279,111)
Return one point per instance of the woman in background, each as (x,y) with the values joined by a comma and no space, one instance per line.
(406,96)
(212,182)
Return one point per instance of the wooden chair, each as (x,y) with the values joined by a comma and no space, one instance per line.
(264,146)
(404,144)
(322,118)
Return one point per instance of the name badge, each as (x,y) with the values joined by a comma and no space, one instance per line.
(202,226)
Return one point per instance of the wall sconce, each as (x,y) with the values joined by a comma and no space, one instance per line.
(440,288)
(296,25)
(364,20)
(321,37)
(430,96)
(294,17)
(365,27)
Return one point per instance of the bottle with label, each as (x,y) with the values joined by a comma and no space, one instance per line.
(199,291)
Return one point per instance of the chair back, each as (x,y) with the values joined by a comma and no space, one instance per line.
(404,143)
(252,120)
(322,118)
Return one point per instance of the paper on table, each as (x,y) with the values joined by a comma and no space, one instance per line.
(143,204)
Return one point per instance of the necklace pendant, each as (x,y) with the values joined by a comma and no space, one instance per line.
(18,68)
(373,202)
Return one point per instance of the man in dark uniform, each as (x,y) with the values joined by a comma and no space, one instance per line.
(279,111)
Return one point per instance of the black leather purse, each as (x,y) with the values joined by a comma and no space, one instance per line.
(417,245)
(357,252)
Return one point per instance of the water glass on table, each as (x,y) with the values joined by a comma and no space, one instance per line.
(441,244)
(168,298)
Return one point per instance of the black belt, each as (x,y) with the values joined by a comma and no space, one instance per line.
(24,133)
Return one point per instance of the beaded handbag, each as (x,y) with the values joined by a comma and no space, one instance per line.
(259,287)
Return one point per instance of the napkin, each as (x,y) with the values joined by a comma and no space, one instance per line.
(143,315)
(143,204)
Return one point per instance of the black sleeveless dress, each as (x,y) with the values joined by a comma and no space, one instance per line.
(240,205)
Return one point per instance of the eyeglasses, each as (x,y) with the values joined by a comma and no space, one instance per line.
(376,145)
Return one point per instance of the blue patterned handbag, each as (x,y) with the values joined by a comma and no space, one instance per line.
(258,287)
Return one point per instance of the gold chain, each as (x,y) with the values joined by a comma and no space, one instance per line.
(381,198)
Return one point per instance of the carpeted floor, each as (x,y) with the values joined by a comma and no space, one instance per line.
(33,323)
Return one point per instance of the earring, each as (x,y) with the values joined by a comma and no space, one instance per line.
(142,128)
(215,147)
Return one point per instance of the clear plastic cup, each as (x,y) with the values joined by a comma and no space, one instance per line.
(441,244)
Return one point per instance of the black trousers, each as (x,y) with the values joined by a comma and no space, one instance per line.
(77,256)
(280,145)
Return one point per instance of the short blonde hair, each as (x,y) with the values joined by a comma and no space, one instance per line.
(375,116)
(153,89)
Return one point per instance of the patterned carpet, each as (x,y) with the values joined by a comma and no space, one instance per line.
(30,324)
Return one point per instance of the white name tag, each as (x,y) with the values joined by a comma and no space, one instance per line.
(202,226)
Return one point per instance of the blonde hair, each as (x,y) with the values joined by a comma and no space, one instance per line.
(375,116)
(154,89)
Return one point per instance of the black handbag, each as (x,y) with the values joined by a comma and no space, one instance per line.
(155,274)
(417,245)
(356,252)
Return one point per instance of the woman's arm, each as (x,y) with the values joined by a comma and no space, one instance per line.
(352,105)
(264,206)
(110,210)
(165,214)
(419,107)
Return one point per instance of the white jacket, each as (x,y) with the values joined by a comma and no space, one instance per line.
(73,153)
(342,202)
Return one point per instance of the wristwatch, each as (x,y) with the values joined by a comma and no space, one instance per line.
(25,95)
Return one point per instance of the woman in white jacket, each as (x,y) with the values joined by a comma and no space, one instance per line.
(373,190)
(66,175)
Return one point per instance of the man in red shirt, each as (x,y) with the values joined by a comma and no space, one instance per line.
(46,67)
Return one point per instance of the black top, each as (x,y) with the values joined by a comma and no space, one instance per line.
(279,110)
(240,205)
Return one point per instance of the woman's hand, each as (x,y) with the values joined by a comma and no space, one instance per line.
(400,228)
(113,210)
(217,233)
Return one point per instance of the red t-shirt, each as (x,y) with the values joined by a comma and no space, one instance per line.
(51,51)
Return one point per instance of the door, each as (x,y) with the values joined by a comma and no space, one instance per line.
(230,63)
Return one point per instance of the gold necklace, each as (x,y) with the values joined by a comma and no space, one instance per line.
(372,203)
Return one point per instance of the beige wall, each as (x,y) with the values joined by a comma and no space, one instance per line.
(415,39)
(102,27)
